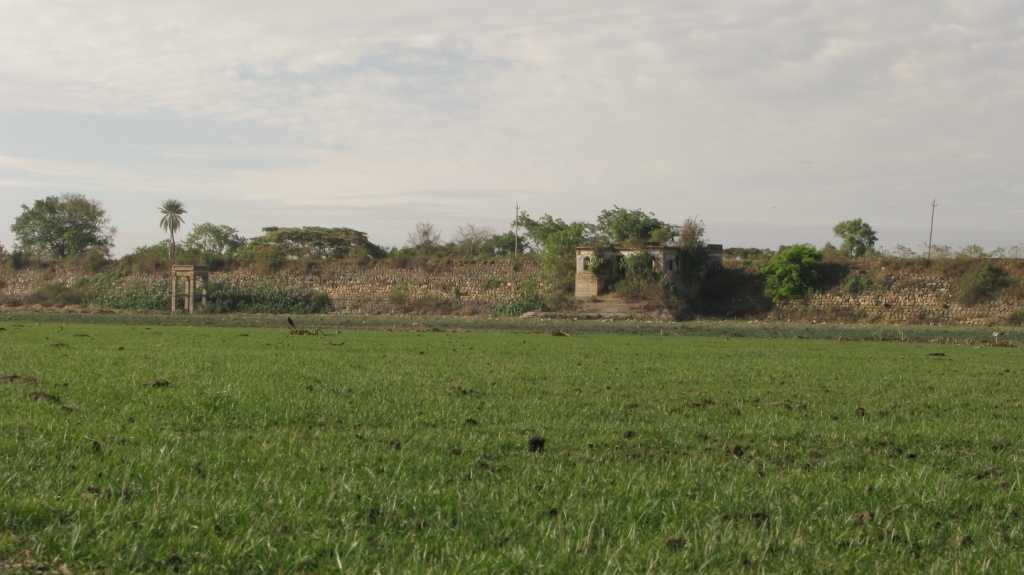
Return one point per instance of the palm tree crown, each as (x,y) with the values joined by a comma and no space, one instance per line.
(172,212)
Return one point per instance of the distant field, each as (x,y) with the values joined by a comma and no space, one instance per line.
(246,449)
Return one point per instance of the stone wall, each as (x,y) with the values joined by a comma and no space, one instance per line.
(374,287)
(894,296)
(903,296)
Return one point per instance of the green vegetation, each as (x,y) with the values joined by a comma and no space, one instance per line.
(619,225)
(556,242)
(527,299)
(63,226)
(215,244)
(111,291)
(264,298)
(638,278)
(857,283)
(791,273)
(172,217)
(134,449)
(859,238)
(982,283)
(316,243)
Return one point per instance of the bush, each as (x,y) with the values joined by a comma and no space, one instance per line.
(153,297)
(732,292)
(261,258)
(791,273)
(856,284)
(982,283)
(90,261)
(57,294)
(263,298)
(1016,318)
(398,294)
(527,299)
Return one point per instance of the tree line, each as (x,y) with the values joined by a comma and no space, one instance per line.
(74,227)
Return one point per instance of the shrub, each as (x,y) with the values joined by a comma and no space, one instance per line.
(856,284)
(265,298)
(57,294)
(90,261)
(527,299)
(492,284)
(732,292)
(139,297)
(982,283)
(1016,318)
(398,294)
(791,273)
(261,258)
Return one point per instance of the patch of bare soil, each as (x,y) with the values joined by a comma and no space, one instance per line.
(43,396)
(15,379)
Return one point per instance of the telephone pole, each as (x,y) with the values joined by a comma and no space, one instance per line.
(931,230)
(515,233)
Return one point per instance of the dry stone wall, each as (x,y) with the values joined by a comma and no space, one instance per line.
(912,297)
(895,296)
(366,288)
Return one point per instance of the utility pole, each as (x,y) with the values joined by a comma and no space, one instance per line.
(931,230)
(515,233)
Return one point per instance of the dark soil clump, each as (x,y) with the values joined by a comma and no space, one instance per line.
(536,444)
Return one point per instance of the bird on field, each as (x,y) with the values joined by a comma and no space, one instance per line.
(291,323)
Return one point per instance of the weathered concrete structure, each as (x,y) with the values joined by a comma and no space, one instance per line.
(593,262)
(191,275)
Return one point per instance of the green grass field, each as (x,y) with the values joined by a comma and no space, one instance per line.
(244,449)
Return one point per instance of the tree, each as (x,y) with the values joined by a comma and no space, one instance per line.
(556,242)
(172,217)
(619,225)
(474,240)
(691,233)
(505,244)
(425,237)
(791,273)
(973,251)
(858,237)
(62,226)
(214,240)
(314,242)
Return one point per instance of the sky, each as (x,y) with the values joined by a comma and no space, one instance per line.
(771,120)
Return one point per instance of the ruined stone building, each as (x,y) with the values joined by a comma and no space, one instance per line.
(593,264)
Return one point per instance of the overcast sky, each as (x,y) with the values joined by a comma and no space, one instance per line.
(769,119)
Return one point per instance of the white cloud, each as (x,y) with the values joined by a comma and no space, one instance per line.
(722,108)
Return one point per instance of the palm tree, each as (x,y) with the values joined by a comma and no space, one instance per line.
(172,211)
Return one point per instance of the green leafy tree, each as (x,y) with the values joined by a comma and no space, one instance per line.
(555,242)
(791,273)
(505,244)
(619,225)
(314,242)
(214,240)
(858,237)
(172,216)
(63,226)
